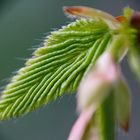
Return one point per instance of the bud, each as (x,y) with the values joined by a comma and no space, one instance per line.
(135,20)
(95,87)
(135,23)
(81,127)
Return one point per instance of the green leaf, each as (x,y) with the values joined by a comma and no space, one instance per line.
(128,12)
(134,62)
(122,103)
(55,68)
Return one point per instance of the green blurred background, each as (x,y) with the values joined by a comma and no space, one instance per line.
(23,25)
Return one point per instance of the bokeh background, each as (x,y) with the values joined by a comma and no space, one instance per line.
(23,24)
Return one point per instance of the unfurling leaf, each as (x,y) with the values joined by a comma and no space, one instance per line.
(87,12)
(56,68)
(134,62)
(123,104)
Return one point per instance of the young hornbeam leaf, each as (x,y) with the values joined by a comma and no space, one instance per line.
(123,104)
(87,12)
(55,68)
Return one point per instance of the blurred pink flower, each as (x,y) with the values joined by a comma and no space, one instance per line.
(93,90)
(80,128)
(96,85)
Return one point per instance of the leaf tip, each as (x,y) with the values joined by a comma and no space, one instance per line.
(72,9)
(125,126)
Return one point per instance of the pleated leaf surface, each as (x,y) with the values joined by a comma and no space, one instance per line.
(56,68)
